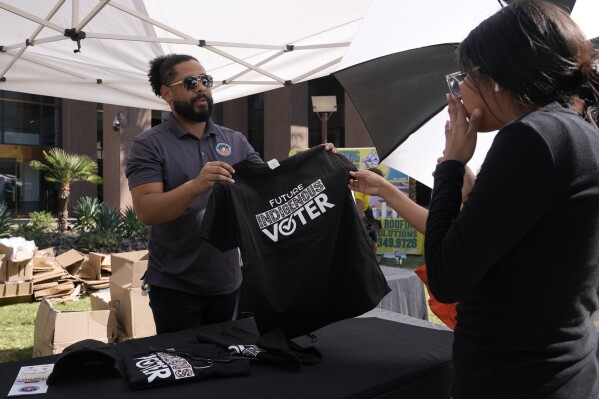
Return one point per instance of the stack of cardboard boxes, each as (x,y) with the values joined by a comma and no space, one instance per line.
(16,274)
(127,297)
(121,313)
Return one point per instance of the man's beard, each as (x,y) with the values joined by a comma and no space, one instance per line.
(187,109)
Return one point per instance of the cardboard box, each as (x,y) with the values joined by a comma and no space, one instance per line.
(17,254)
(55,330)
(133,312)
(16,292)
(19,271)
(3,268)
(131,303)
(88,271)
(43,261)
(71,261)
(44,252)
(128,268)
(100,300)
(10,289)
(15,271)
(65,288)
(107,265)
(92,267)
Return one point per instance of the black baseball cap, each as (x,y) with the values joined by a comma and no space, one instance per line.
(85,357)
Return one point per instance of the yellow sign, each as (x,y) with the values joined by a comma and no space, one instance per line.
(396,234)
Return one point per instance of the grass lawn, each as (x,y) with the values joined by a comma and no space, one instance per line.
(17,321)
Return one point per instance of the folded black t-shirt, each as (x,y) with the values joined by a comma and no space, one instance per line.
(270,348)
(185,363)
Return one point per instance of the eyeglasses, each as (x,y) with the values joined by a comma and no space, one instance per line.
(454,80)
(191,82)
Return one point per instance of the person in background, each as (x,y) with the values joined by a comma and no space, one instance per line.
(521,255)
(364,181)
(365,210)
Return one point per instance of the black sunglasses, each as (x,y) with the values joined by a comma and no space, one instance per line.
(191,82)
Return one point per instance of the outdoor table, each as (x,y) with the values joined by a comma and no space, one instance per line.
(407,294)
(366,357)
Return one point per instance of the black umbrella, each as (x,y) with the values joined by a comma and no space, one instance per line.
(397,94)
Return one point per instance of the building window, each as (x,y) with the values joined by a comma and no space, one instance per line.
(28,119)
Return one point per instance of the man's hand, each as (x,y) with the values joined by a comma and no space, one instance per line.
(211,173)
(330,147)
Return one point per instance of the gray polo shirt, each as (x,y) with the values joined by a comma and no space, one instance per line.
(179,258)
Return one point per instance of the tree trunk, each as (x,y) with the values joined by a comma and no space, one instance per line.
(412,188)
(63,201)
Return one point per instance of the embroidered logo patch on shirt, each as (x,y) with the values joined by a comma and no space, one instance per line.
(223,149)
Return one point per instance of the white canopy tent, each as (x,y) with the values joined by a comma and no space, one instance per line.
(98,50)
(247,46)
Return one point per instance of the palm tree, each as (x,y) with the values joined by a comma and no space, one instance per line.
(65,169)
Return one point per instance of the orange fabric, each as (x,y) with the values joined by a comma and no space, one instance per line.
(446,312)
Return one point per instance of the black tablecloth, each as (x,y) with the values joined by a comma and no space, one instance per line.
(362,358)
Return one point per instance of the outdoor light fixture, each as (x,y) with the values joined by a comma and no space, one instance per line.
(120,119)
(116,123)
(324,106)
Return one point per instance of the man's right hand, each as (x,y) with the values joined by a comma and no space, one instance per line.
(211,173)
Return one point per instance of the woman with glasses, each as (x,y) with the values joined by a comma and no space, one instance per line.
(522,255)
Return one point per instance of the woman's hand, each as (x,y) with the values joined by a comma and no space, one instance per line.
(367,182)
(460,134)
(469,176)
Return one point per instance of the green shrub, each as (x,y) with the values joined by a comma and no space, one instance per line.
(106,236)
(5,221)
(33,233)
(42,220)
(131,226)
(36,229)
(99,241)
(85,212)
(108,219)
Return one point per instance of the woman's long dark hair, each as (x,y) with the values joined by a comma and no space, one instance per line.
(536,52)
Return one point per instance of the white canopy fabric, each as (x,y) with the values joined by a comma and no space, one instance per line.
(407,25)
(247,46)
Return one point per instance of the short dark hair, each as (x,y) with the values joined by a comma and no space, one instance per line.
(537,53)
(162,70)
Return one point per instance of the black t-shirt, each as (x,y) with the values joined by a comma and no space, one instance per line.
(307,256)
(179,364)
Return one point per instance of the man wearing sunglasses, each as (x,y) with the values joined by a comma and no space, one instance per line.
(171,169)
